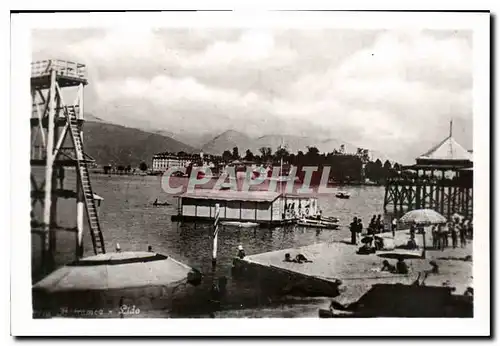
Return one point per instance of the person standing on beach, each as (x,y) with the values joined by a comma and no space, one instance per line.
(413,229)
(454,239)
(434,237)
(360,225)
(444,238)
(372,225)
(463,232)
(379,224)
(60,176)
(354,231)
(441,233)
(470,229)
(394,226)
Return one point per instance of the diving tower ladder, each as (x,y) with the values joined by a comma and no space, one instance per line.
(83,174)
(52,151)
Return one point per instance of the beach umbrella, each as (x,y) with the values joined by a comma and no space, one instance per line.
(423,217)
(114,279)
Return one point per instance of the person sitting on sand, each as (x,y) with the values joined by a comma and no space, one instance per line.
(401,267)
(435,267)
(288,258)
(469,292)
(366,249)
(379,243)
(300,258)
(411,244)
(387,267)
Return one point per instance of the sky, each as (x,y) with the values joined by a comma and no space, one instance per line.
(388,90)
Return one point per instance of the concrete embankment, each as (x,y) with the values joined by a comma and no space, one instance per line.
(335,270)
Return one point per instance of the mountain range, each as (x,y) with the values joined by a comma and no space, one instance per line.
(115,144)
(230,139)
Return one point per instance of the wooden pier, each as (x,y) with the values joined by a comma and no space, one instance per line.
(441,179)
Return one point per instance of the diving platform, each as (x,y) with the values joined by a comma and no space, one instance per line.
(68,73)
(56,143)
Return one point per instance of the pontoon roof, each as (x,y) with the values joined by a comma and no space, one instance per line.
(229,195)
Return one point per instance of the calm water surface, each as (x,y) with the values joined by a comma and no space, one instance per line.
(129,218)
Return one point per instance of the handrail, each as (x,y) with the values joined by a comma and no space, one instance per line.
(62,67)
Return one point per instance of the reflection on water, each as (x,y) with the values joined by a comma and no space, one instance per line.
(129,218)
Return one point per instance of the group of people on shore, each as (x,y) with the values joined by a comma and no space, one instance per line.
(457,230)
(356,227)
(375,226)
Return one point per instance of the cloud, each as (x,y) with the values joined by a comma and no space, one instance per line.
(373,88)
(402,89)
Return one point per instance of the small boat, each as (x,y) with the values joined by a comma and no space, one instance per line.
(329,219)
(317,223)
(239,224)
(343,195)
(157,204)
(282,178)
(319,217)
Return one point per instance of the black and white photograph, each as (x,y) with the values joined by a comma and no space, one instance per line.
(292,167)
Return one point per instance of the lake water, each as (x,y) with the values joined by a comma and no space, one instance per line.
(129,218)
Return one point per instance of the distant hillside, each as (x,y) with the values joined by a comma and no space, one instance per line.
(229,139)
(195,140)
(109,143)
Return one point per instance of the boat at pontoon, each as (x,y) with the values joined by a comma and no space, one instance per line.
(308,222)
(343,194)
(326,218)
(239,224)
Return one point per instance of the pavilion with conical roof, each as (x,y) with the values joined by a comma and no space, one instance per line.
(441,179)
(447,153)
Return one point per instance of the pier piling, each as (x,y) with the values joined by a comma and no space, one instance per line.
(420,186)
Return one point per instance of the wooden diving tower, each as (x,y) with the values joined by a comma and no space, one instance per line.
(56,145)
(441,179)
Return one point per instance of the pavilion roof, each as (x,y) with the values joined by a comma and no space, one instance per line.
(447,150)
